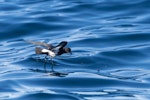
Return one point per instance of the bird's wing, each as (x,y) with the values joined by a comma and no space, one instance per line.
(58,49)
(48,46)
(61,44)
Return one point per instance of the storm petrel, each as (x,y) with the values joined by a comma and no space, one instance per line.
(51,50)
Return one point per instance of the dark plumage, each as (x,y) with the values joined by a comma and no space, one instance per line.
(64,50)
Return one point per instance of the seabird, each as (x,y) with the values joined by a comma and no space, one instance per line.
(51,50)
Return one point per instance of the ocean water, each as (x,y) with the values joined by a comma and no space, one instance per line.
(110,41)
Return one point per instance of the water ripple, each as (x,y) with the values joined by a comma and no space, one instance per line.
(109,41)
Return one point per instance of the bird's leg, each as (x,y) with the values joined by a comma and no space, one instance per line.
(52,63)
(45,61)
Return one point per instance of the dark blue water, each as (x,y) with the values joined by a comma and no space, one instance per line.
(110,41)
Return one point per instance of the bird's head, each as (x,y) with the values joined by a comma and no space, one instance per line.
(68,50)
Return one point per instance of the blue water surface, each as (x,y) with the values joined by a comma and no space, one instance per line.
(110,41)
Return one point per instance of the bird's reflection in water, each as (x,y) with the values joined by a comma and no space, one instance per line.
(59,74)
(51,73)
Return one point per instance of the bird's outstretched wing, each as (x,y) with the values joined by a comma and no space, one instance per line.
(61,45)
(47,46)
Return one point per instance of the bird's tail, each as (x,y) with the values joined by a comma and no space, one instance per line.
(38,50)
